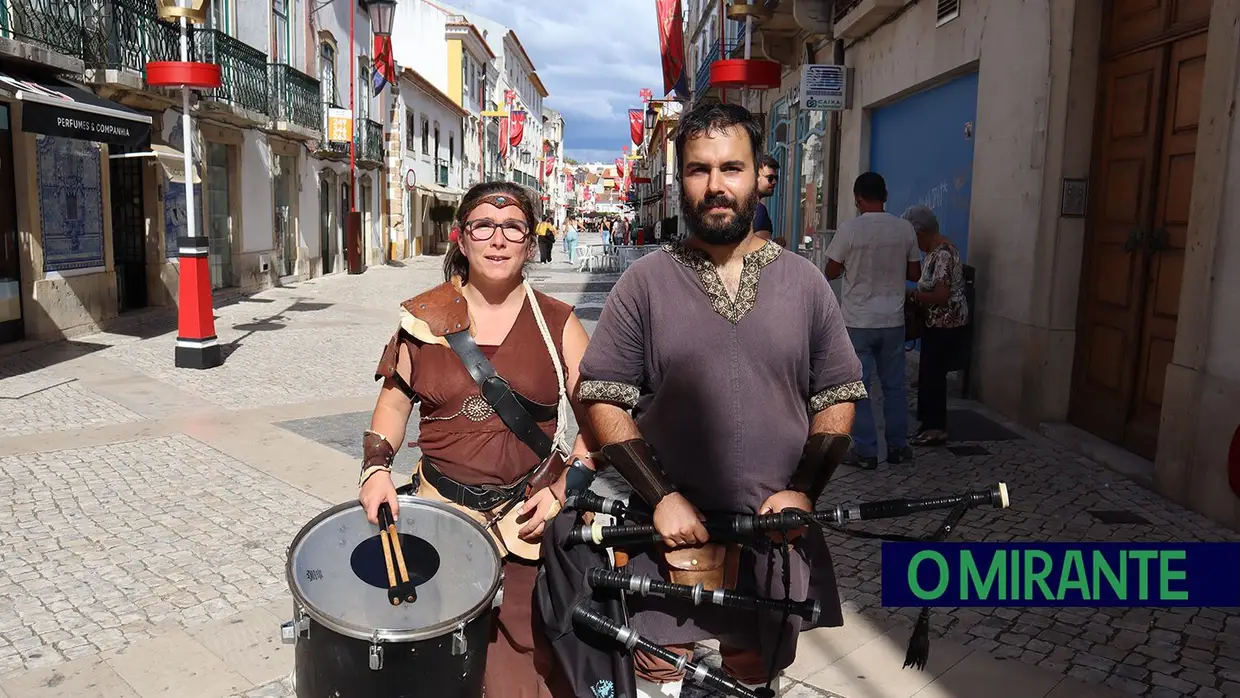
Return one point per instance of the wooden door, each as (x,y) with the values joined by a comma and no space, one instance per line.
(1149,100)
(1164,245)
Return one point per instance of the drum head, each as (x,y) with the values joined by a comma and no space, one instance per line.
(337,573)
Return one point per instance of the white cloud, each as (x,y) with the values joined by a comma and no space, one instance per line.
(594,58)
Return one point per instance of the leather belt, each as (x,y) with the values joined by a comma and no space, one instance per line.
(476,497)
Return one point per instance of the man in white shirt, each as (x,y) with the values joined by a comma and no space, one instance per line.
(876,253)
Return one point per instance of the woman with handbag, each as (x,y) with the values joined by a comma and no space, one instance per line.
(471,457)
(939,303)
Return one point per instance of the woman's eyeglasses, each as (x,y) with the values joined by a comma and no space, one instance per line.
(482,230)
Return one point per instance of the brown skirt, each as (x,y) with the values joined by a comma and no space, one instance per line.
(520,663)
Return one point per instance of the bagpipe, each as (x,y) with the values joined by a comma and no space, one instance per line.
(581,591)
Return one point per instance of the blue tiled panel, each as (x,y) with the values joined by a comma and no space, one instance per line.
(174,214)
(70,203)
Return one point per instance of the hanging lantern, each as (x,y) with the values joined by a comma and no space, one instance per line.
(193,10)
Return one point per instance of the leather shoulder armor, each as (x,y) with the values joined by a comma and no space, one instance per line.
(441,311)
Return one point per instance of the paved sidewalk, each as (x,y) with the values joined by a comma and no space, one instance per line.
(139,502)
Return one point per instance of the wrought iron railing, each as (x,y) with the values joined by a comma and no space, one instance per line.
(127,34)
(441,172)
(701,81)
(295,96)
(243,70)
(368,143)
(59,25)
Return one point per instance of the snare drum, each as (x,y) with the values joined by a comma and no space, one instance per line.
(351,642)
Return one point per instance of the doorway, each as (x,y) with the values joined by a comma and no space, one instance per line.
(326,225)
(1150,83)
(128,230)
(219,215)
(286,236)
(342,219)
(11,326)
(367,233)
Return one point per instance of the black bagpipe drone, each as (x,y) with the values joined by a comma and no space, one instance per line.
(608,581)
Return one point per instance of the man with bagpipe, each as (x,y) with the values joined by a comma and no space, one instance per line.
(721,381)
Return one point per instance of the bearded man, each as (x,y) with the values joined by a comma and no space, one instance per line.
(721,380)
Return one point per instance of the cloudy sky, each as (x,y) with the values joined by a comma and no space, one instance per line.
(594,58)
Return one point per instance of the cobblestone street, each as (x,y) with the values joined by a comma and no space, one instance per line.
(148,509)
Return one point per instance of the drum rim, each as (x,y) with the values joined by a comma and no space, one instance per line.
(361,633)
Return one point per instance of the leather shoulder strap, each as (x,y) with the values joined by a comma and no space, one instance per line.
(506,402)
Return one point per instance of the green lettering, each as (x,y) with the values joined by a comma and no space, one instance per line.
(1039,577)
(1102,567)
(1015,585)
(1143,577)
(1073,576)
(916,587)
(970,576)
(1166,575)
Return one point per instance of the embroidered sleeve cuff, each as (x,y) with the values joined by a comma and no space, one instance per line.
(848,392)
(614,392)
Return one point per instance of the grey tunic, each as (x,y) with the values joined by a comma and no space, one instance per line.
(724,392)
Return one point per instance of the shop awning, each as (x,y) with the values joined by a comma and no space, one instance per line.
(431,188)
(171,159)
(56,108)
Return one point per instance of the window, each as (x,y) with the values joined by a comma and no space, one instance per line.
(363,90)
(451,149)
(426,136)
(436,151)
(465,81)
(279,31)
(218,18)
(411,131)
(327,73)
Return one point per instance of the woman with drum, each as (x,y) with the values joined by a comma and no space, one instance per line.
(471,455)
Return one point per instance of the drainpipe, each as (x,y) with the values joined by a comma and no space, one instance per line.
(833,165)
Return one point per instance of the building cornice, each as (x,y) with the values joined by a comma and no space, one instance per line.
(433,92)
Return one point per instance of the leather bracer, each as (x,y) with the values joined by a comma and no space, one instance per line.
(822,454)
(636,463)
(376,451)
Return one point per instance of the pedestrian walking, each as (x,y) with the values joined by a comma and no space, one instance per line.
(730,384)
(768,178)
(466,448)
(546,239)
(570,239)
(876,252)
(940,298)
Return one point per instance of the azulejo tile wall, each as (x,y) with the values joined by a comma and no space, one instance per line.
(175,218)
(70,203)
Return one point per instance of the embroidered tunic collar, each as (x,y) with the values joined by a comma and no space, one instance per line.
(730,309)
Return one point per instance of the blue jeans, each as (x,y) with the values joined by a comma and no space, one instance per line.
(570,246)
(882,349)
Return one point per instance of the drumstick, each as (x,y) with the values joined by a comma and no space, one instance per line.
(404,589)
(387,559)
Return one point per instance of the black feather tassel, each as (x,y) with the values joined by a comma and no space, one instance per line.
(919,644)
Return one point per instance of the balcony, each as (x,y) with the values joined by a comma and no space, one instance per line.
(701,80)
(441,172)
(368,143)
(326,149)
(126,35)
(857,18)
(243,97)
(296,107)
(51,32)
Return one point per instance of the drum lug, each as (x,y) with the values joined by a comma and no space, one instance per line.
(376,652)
(293,629)
(459,643)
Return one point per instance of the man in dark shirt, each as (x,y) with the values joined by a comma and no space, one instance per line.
(768,177)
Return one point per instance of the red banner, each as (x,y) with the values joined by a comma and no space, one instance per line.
(548,167)
(503,138)
(672,47)
(637,126)
(517,129)
(619,169)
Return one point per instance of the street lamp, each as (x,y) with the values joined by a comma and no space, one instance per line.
(381,14)
(651,116)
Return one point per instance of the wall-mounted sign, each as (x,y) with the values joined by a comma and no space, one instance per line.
(1073,201)
(823,87)
(339,125)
